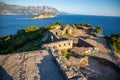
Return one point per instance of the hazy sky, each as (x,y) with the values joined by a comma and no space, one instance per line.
(91,7)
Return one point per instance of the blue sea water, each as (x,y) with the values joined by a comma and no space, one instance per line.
(9,24)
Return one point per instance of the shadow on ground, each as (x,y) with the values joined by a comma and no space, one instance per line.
(48,69)
(102,69)
(4,75)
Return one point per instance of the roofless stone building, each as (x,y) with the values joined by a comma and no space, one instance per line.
(55,41)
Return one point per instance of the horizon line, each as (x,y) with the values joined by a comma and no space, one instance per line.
(63,11)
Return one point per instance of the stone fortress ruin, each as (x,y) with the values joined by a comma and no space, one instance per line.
(72,39)
(49,63)
(58,42)
(54,37)
(58,38)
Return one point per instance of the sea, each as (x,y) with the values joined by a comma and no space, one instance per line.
(9,24)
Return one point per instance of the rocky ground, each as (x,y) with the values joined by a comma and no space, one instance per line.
(98,70)
(99,41)
(39,65)
(35,65)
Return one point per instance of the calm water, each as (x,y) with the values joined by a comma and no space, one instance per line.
(11,23)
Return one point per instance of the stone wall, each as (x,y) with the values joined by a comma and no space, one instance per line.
(85,51)
(57,32)
(64,44)
(69,68)
(60,32)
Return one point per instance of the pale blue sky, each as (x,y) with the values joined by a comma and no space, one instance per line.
(90,7)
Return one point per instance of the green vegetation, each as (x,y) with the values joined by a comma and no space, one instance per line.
(32,28)
(115,40)
(90,27)
(53,26)
(25,40)
(57,23)
(67,54)
(87,25)
(6,38)
(99,30)
(29,39)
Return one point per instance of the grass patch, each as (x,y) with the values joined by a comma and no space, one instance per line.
(68,54)
(114,39)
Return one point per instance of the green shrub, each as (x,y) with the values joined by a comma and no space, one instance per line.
(115,40)
(31,28)
(22,41)
(53,26)
(99,30)
(7,38)
(87,25)
(65,53)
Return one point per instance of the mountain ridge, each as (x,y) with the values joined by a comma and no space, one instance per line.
(10,9)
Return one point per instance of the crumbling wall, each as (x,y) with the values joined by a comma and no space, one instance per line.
(60,32)
(65,44)
(57,32)
(70,68)
(85,51)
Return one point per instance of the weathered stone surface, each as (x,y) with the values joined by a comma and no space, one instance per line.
(84,62)
(85,50)
(69,67)
(82,78)
(63,44)
(74,61)
(34,65)
(22,65)
(68,29)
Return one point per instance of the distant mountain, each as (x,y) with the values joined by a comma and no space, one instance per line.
(10,9)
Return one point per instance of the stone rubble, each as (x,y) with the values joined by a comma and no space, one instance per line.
(71,66)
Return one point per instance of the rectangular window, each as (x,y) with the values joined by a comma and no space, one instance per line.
(60,45)
(69,44)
